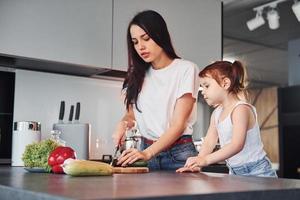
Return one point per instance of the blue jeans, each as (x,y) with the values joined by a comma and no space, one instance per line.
(261,168)
(172,158)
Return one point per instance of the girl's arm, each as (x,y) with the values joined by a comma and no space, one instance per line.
(126,121)
(210,139)
(182,111)
(241,123)
(192,163)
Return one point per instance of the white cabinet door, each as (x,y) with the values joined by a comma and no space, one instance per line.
(71,31)
(194,25)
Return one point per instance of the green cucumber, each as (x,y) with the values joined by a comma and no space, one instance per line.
(139,163)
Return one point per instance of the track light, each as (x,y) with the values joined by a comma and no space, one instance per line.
(256,22)
(271,15)
(273,19)
(296,9)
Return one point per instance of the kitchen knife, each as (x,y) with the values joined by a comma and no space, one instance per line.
(61,112)
(71,114)
(114,159)
(77,112)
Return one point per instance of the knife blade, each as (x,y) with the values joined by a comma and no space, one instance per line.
(114,159)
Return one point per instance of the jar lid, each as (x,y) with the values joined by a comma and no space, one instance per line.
(27,125)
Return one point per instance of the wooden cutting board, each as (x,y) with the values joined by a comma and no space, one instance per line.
(130,170)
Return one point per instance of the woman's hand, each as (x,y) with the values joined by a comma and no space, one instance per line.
(129,156)
(119,133)
(193,164)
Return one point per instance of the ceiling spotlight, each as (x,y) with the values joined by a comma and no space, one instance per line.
(273,19)
(256,22)
(296,9)
(272,15)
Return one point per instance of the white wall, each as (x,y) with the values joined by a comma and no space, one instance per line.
(38,96)
(294,62)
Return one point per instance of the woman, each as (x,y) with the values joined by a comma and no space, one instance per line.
(160,95)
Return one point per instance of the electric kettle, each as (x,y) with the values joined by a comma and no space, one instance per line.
(132,138)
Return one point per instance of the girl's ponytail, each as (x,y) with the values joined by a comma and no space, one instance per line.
(240,82)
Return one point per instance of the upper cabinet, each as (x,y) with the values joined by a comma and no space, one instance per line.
(71,31)
(194,26)
(93,33)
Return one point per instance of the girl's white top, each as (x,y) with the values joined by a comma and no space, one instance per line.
(157,99)
(253,148)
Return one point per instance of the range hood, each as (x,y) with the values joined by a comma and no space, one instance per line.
(18,62)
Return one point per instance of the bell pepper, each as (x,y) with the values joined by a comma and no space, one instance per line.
(58,156)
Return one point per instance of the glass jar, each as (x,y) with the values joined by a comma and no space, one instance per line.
(55,136)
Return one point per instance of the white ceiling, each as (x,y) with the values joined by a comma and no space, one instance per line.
(264,51)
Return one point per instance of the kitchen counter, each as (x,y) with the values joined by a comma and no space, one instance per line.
(17,183)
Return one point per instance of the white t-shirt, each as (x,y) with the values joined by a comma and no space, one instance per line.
(160,90)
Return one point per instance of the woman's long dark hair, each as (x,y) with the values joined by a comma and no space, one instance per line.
(156,28)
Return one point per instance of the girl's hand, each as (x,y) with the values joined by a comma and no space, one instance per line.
(190,161)
(129,156)
(119,133)
(193,164)
(186,169)
(199,161)
(188,165)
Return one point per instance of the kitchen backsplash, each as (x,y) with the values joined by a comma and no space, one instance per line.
(38,96)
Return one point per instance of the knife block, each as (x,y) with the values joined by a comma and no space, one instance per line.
(76,136)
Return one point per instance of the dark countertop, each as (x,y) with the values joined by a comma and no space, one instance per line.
(17,183)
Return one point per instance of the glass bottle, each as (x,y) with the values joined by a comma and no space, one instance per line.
(55,136)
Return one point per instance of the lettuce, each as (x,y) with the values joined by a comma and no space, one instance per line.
(36,154)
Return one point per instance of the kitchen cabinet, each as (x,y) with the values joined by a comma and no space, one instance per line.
(7,84)
(69,31)
(289,135)
(92,34)
(194,26)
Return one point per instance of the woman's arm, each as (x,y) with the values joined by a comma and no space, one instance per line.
(183,108)
(126,121)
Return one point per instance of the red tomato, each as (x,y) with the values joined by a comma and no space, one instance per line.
(57,169)
(58,156)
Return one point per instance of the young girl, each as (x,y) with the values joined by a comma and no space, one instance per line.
(233,122)
(160,95)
